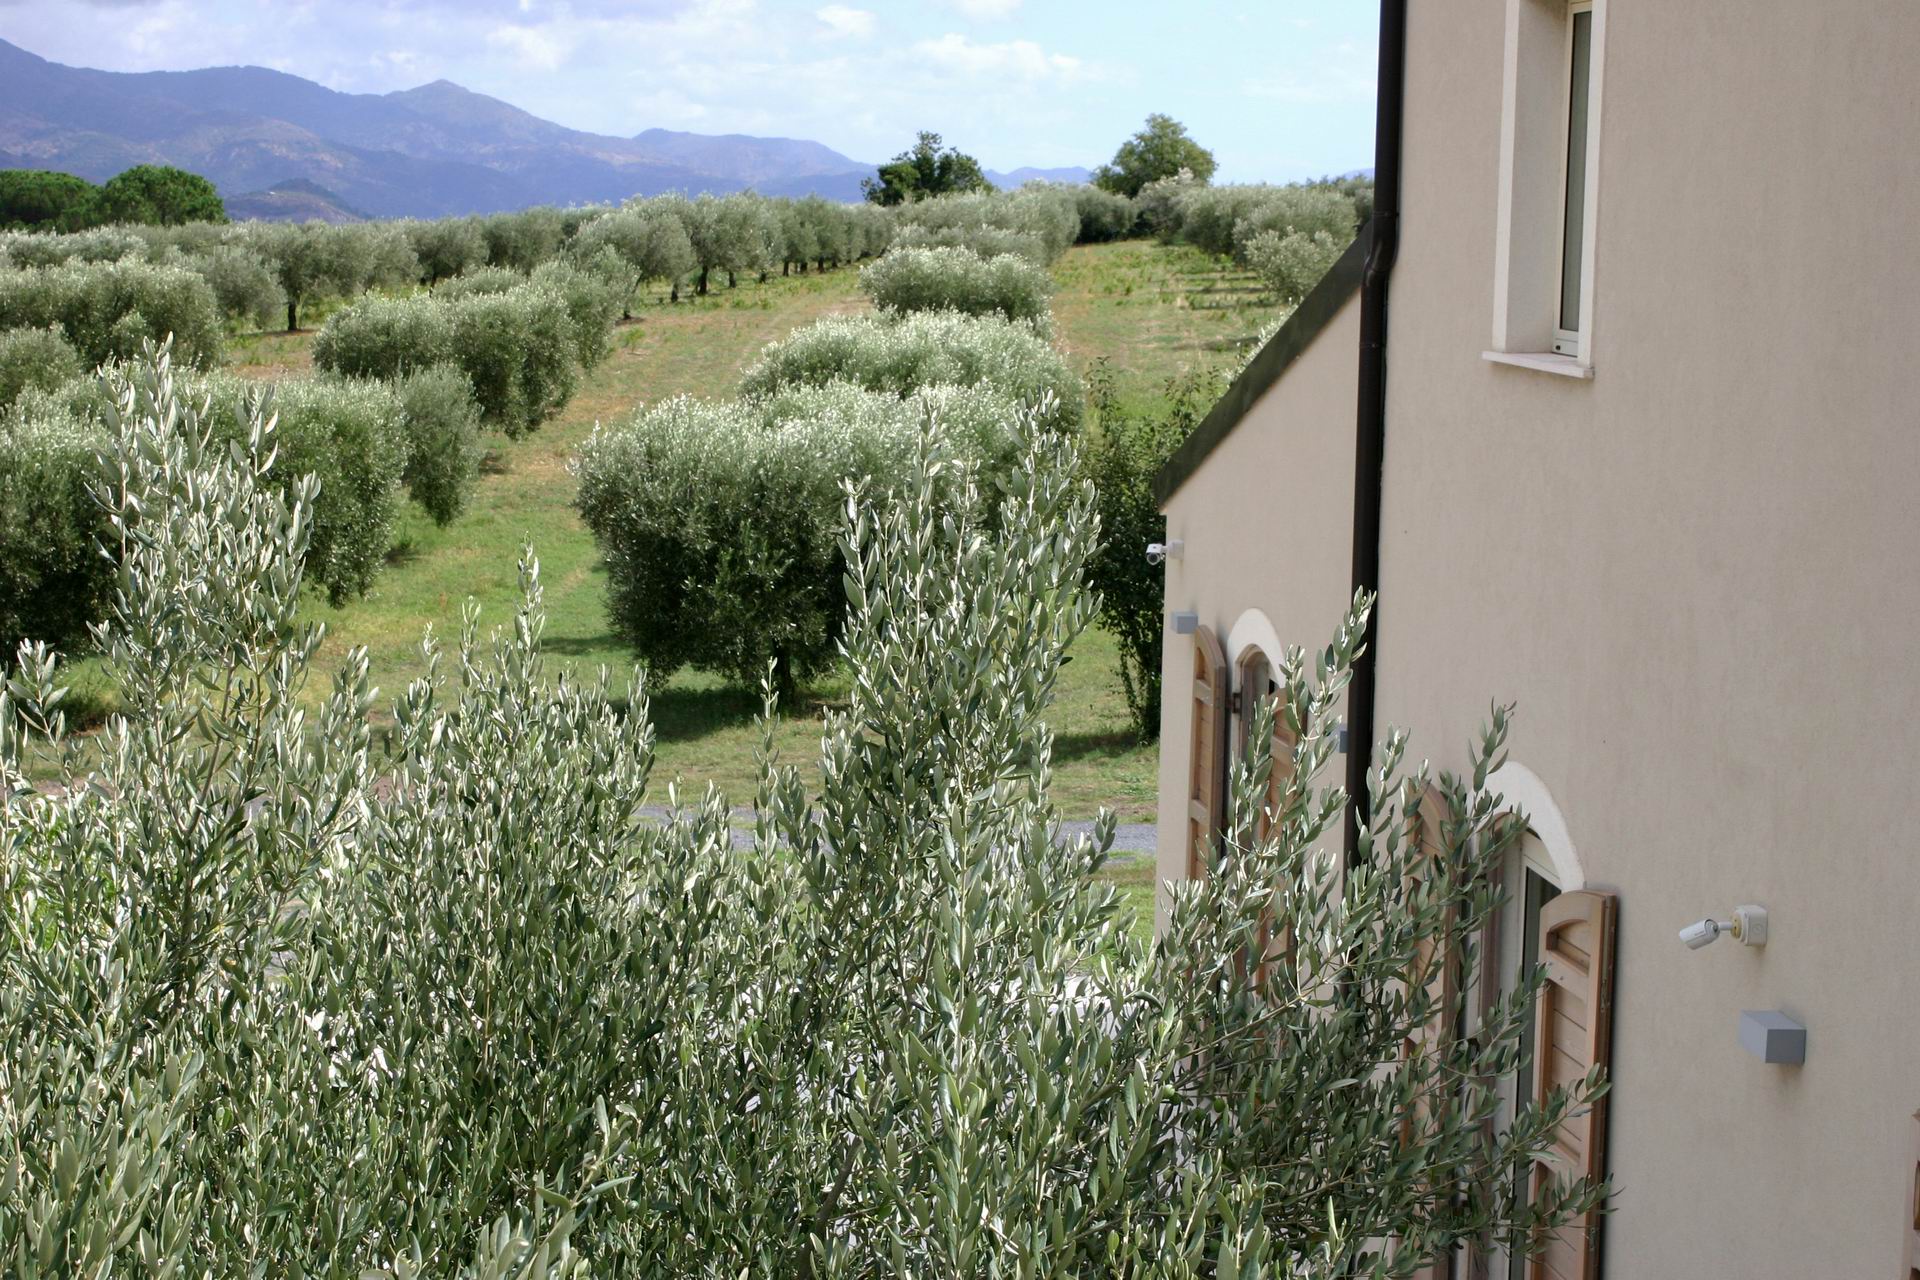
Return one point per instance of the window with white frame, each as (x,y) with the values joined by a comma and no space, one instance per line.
(1573,199)
(1544,257)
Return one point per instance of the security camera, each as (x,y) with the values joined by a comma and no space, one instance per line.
(1161,552)
(1702,933)
(1749,924)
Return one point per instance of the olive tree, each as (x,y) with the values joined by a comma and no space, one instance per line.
(648,239)
(311,259)
(446,247)
(267,1008)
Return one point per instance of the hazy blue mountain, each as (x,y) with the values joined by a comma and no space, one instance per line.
(295,201)
(434,150)
(1017,177)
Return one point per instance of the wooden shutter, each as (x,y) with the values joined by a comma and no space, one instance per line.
(1207,757)
(1437,966)
(1573,1032)
(1913,1209)
(1276,944)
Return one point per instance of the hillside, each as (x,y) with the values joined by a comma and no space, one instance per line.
(430,151)
(295,201)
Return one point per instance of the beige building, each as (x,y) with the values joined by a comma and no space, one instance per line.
(1651,470)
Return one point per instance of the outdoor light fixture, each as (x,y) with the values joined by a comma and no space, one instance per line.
(1749,924)
(1161,552)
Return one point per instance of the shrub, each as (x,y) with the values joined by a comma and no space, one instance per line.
(1208,215)
(1224,220)
(478,280)
(350,436)
(54,577)
(385,338)
(1049,214)
(1162,204)
(312,260)
(906,280)
(721,532)
(34,358)
(1305,209)
(923,349)
(519,349)
(1127,444)
(442,425)
(473,1012)
(98,244)
(719,523)
(648,240)
(244,285)
(521,352)
(1104,215)
(988,242)
(445,247)
(525,239)
(107,310)
(594,303)
(1290,264)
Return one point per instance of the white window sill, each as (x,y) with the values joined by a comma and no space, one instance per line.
(1540,361)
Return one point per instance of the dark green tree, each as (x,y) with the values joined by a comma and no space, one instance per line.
(160,195)
(41,198)
(1160,150)
(1125,450)
(926,170)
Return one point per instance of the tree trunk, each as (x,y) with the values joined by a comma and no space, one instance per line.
(293,314)
(676,291)
(702,288)
(731,282)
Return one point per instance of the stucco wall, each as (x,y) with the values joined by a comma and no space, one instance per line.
(1266,523)
(1696,576)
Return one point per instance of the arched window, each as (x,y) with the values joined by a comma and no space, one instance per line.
(1552,920)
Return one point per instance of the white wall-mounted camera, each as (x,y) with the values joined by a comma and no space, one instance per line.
(1161,552)
(1749,924)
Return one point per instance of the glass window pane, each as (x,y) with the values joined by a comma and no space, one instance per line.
(1574,231)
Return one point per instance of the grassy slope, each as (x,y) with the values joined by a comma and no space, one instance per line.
(1149,310)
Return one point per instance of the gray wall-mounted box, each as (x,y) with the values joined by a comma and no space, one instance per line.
(1772,1036)
(1185,623)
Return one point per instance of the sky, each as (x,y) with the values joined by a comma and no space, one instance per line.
(1277,89)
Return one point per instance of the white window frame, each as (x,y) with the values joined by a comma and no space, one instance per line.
(1567,342)
(1546,849)
(1530,233)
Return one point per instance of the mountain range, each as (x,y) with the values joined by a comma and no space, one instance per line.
(278,146)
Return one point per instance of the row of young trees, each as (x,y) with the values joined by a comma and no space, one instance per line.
(468,324)
(1289,235)
(516,307)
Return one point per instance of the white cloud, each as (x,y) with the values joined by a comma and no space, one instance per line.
(845,21)
(1344,74)
(534,48)
(986,9)
(1019,59)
